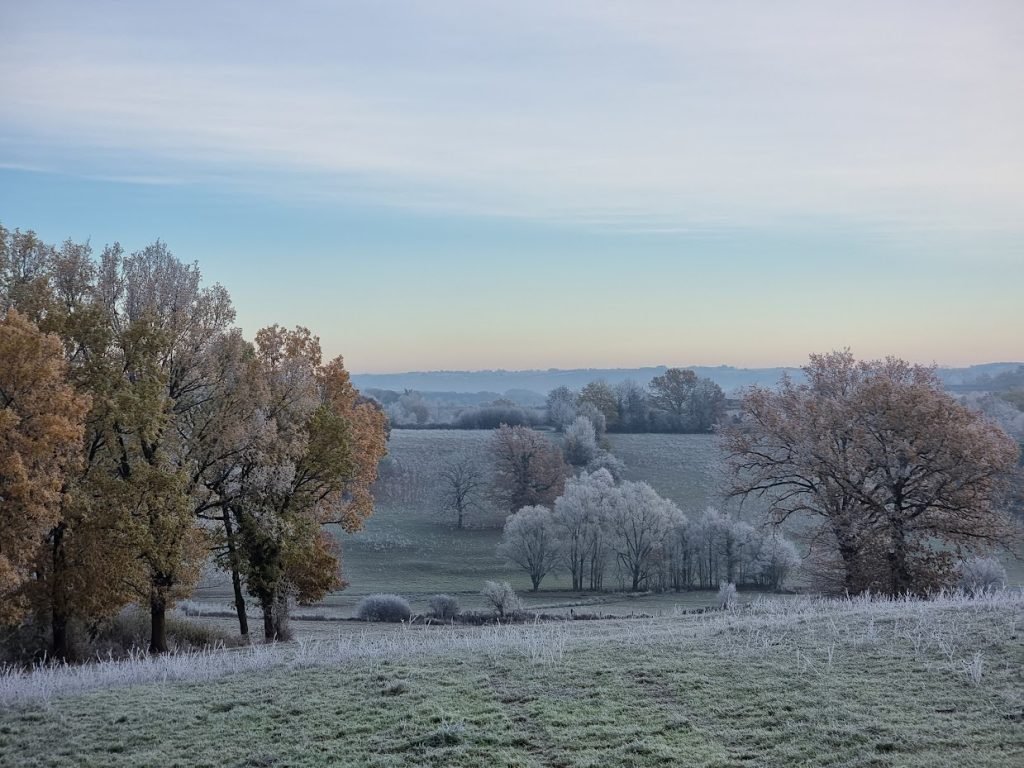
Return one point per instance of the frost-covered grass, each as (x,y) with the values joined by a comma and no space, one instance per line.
(802,681)
(408,547)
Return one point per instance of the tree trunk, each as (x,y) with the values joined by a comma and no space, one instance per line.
(269,631)
(849,552)
(236,579)
(281,629)
(243,619)
(59,627)
(58,609)
(900,581)
(157,625)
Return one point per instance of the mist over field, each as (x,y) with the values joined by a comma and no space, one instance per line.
(731,379)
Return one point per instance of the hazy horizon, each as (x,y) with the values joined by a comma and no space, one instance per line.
(484,185)
(937,364)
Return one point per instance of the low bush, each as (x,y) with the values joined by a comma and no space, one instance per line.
(980,575)
(444,607)
(501,597)
(383,608)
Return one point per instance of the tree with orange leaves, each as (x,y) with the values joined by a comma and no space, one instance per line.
(901,476)
(317,469)
(41,430)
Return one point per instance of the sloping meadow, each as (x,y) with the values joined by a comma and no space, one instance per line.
(832,682)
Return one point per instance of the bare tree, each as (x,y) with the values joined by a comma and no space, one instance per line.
(886,459)
(462,483)
(528,468)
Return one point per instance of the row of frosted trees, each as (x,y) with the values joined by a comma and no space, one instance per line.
(603,533)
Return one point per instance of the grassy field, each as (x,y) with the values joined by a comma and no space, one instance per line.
(803,682)
(411,548)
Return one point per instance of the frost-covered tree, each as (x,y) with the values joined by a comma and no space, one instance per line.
(774,560)
(580,515)
(580,444)
(610,463)
(501,597)
(561,407)
(596,417)
(531,541)
(640,522)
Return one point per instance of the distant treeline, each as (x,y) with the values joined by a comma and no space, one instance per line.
(677,401)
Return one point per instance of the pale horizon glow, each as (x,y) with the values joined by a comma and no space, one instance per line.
(479,185)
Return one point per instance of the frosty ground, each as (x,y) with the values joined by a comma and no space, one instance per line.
(412,548)
(803,681)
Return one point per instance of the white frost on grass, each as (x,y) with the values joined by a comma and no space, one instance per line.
(812,628)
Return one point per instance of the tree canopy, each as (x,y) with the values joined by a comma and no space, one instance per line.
(900,475)
(141,433)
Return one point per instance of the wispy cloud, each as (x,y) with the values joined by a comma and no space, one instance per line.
(679,116)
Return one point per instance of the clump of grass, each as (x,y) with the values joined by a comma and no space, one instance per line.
(117,637)
(395,689)
(726,599)
(393,608)
(974,668)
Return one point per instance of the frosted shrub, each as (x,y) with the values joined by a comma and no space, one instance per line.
(444,607)
(726,596)
(580,445)
(501,597)
(605,460)
(383,608)
(980,575)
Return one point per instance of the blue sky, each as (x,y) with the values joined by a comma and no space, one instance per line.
(475,185)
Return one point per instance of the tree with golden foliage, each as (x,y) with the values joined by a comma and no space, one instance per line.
(902,477)
(41,429)
(195,440)
(317,469)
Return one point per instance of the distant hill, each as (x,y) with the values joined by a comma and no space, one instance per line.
(729,378)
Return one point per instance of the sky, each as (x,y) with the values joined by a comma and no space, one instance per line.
(471,184)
